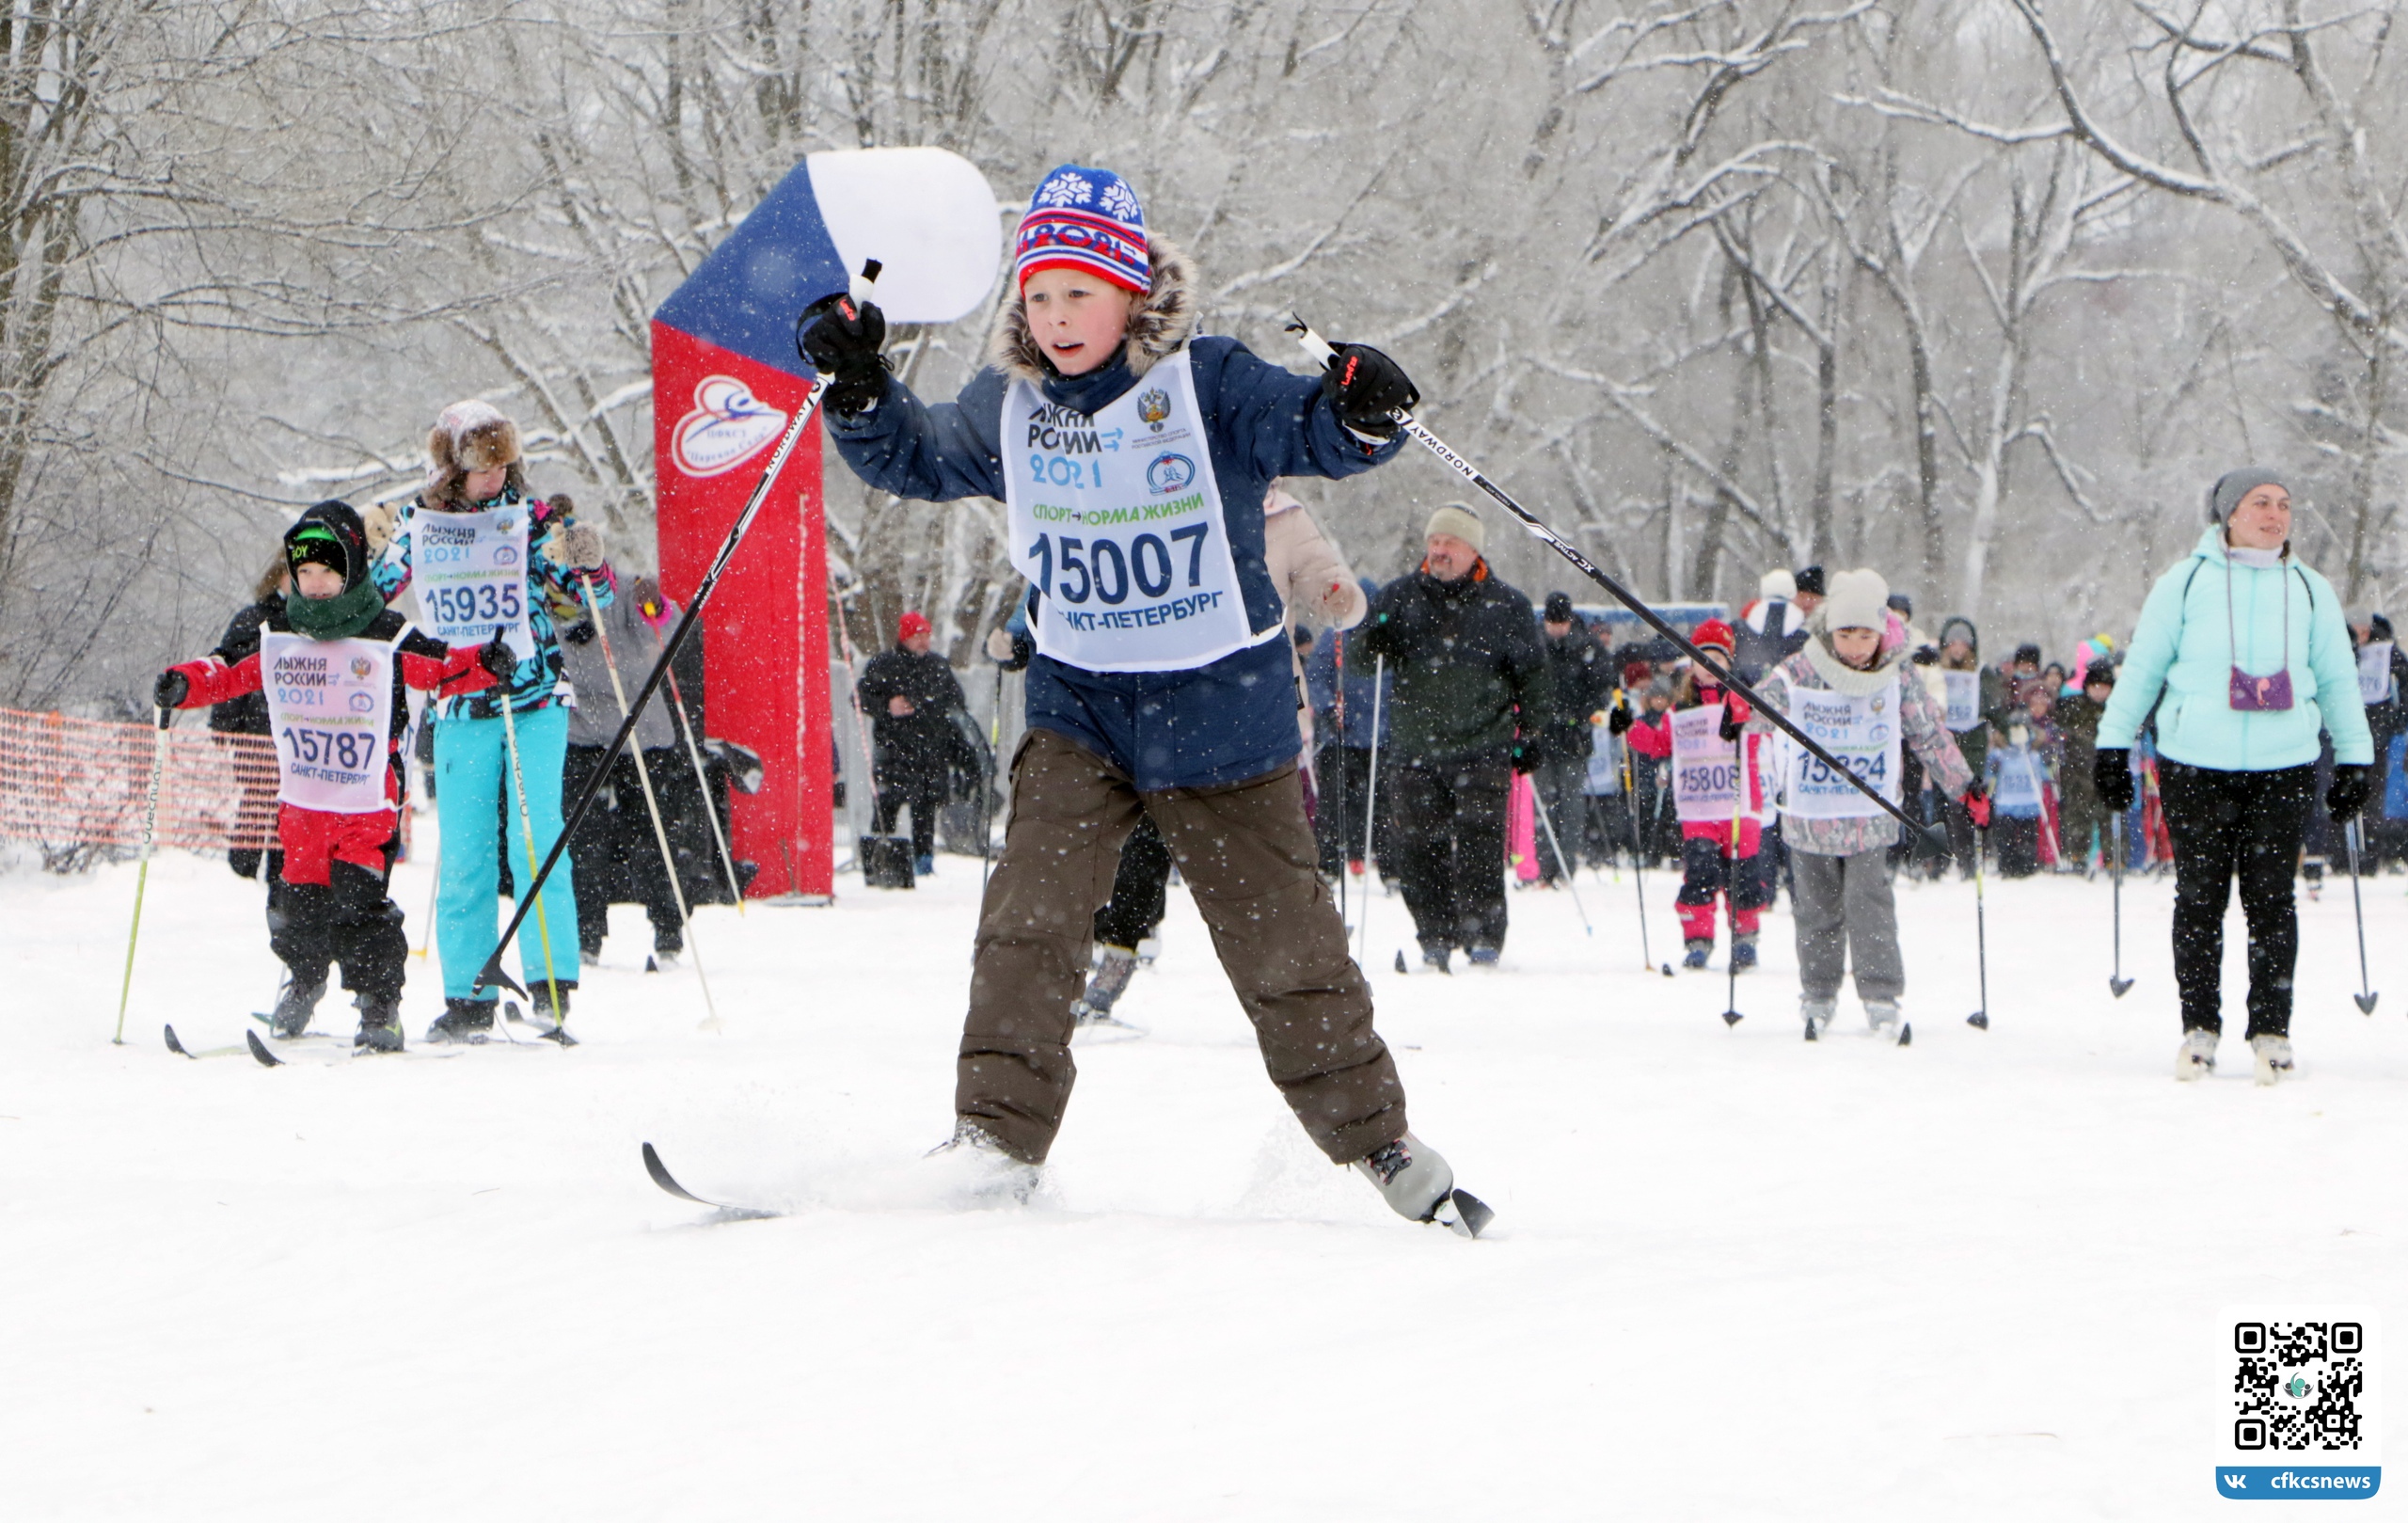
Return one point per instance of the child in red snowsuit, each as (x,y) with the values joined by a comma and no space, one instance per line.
(1715,778)
(334,664)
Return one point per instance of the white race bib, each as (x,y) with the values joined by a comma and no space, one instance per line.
(1605,766)
(2019,779)
(2374,672)
(1705,767)
(470,571)
(1863,732)
(1115,520)
(330,703)
(1964,706)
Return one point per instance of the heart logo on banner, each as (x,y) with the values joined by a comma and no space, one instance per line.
(728,426)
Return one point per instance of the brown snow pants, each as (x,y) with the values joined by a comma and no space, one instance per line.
(1247,853)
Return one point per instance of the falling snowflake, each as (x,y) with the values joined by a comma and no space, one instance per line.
(1065,190)
(1119,202)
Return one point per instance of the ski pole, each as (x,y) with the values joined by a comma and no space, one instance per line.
(1537,806)
(142,874)
(526,832)
(1317,346)
(2366,1000)
(2118,984)
(1731,1016)
(701,777)
(986,785)
(492,974)
(1981,1018)
(1638,849)
(702,780)
(651,807)
(1371,808)
(1337,682)
(434,892)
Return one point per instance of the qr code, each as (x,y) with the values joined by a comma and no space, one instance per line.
(2298,1386)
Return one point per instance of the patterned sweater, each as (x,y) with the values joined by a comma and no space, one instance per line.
(554,597)
(1811,670)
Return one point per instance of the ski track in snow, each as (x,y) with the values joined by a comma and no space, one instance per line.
(1732,1275)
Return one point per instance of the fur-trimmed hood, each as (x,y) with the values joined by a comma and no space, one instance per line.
(1157,326)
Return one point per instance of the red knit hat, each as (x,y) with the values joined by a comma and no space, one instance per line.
(911,624)
(1712,635)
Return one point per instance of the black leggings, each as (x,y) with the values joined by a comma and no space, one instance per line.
(1140,889)
(2224,823)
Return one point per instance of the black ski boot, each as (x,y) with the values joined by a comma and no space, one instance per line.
(462,1019)
(380,1025)
(294,1006)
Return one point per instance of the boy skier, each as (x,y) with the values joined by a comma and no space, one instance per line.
(1133,458)
(333,665)
(1845,689)
(485,553)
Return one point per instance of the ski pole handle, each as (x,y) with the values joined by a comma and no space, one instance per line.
(1314,344)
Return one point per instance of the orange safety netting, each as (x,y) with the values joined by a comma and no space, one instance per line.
(70,782)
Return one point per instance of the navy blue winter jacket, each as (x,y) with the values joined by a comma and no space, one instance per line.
(1225,723)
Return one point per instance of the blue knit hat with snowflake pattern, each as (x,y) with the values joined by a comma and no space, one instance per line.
(1085,219)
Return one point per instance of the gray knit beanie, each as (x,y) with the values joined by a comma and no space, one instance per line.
(2233,486)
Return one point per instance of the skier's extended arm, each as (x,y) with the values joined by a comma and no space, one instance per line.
(1286,422)
(450,671)
(1926,729)
(206,680)
(932,452)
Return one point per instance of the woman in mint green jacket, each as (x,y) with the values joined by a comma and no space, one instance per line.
(2253,657)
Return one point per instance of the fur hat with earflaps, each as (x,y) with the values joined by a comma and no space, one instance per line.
(469,436)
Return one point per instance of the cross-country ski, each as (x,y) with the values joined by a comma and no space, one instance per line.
(1133,840)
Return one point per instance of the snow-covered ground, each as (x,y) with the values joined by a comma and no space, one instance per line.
(1732,1275)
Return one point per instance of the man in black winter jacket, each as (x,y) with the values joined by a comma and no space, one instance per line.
(1580,684)
(1467,704)
(909,693)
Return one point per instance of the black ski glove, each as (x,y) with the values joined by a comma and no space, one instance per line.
(2111,771)
(841,341)
(1926,656)
(2349,792)
(1617,719)
(1736,714)
(1527,755)
(172,688)
(1364,386)
(496,657)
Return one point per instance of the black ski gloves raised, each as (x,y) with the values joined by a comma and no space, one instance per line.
(2351,789)
(1528,756)
(1617,719)
(2111,771)
(841,340)
(496,657)
(172,688)
(1364,386)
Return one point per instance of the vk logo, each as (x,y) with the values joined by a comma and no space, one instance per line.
(2230,1482)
